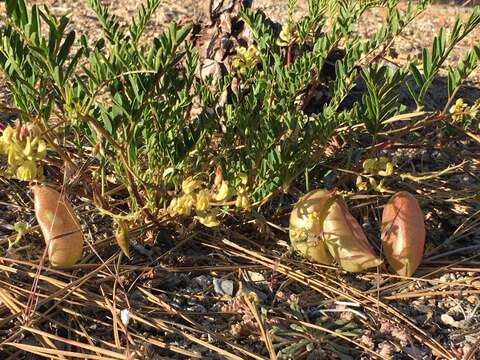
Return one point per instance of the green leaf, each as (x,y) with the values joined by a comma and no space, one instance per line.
(65,48)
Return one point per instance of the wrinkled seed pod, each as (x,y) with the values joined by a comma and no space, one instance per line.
(306,226)
(60,227)
(403,233)
(346,240)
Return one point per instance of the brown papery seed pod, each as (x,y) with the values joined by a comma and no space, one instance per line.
(306,226)
(59,225)
(403,233)
(346,240)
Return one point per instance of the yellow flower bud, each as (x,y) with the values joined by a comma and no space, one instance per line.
(7,135)
(41,149)
(369,166)
(242,202)
(172,207)
(13,158)
(241,50)
(252,54)
(184,205)
(243,178)
(27,151)
(245,58)
(189,185)
(388,170)
(224,192)
(203,200)
(208,219)
(27,171)
(286,35)
(361,185)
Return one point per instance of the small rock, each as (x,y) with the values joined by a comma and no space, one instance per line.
(178,301)
(253,276)
(223,287)
(450,321)
(197,308)
(203,281)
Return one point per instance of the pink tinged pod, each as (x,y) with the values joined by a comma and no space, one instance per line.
(59,225)
(346,240)
(403,233)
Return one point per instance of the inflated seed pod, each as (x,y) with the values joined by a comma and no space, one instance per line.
(306,226)
(403,233)
(345,239)
(59,225)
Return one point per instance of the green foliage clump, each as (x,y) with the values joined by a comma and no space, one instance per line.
(131,99)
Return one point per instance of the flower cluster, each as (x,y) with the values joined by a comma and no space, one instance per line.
(243,201)
(195,197)
(461,111)
(24,147)
(245,58)
(374,167)
(287,35)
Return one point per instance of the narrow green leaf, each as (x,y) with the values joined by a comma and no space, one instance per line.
(65,48)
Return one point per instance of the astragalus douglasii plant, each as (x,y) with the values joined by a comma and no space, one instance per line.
(130,113)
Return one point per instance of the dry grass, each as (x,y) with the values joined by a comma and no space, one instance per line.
(75,312)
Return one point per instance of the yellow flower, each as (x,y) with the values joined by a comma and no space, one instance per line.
(208,219)
(181,205)
(23,146)
(172,208)
(41,149)
(242,201)
(388,170)
(243,178)
(202,200)
(458,110)
(224,192)
(13,155)
(184,205)
(7,135)
(458,106)
(189,185)
(361,185)
(369,166)
(27,151)
(286,35)
(27,171)
(378,186)
(245,58)
(378,166)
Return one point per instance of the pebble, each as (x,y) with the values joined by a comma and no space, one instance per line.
(253,276)
(449,320)
(223,287)
(197,308)
(203,281)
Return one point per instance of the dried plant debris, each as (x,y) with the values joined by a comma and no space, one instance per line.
(237,290)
